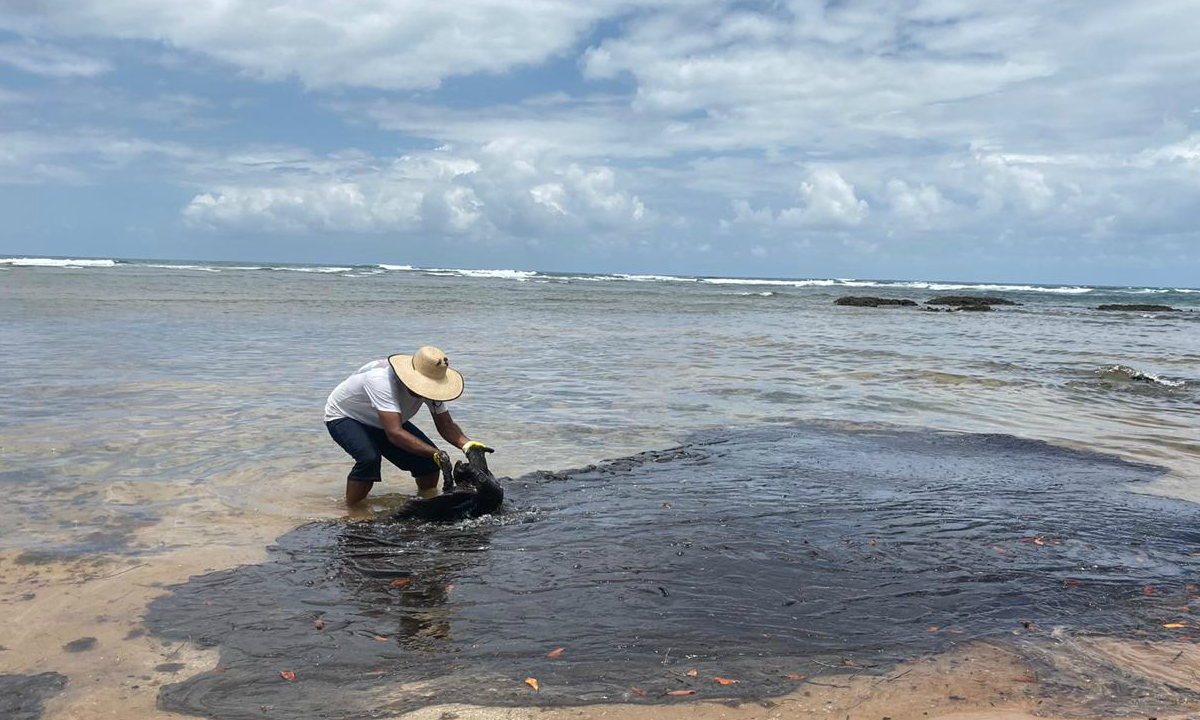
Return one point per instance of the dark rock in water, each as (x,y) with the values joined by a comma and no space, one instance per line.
(1139,308)
(471,492)
(22,696)
(965,300)
(872,302)
(698,552)
(974,308)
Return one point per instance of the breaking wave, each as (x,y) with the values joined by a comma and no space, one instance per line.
(648,278)
(202,268)
(519,275)
(56,262)
(526,275)
(1126,374)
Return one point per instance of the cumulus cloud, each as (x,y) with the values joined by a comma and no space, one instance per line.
(826,202)
(924,205)
(490,194)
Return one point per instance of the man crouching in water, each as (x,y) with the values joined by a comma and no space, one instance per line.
(368,415)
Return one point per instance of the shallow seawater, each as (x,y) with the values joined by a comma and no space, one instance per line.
(751,555)
(161,421)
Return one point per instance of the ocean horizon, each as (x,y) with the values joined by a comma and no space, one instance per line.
(523,275)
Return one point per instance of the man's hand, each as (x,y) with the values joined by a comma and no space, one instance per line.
(476,445)
(442,459)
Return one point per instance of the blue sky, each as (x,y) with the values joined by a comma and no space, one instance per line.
(1019,141)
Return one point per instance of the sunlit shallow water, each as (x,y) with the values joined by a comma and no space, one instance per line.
(754,555)
(152,410)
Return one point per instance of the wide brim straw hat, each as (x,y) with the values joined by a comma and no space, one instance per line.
(427,373)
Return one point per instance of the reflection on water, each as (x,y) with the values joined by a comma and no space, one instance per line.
(749,554)
(405,575)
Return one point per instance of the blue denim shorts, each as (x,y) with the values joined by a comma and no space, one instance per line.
(369,445)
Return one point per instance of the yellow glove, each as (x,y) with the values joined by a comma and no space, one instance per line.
(476,445)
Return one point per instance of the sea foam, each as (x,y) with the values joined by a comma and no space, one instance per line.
(56,262)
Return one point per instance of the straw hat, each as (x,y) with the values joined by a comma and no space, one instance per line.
(428,374)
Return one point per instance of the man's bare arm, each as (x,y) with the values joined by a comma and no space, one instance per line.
(393,423)
(449,430)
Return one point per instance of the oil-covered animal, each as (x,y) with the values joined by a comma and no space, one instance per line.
(469,491)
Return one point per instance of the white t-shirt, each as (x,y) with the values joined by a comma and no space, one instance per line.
(374,387)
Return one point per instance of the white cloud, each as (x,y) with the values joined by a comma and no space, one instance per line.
(923,206)
(43,59)
(916,126)
(77,158)
(403,44)
(827,200)
(490,194)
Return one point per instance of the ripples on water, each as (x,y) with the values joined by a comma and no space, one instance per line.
(135,393)
(749,554)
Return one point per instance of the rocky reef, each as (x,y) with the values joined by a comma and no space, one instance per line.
(868,301)
(969,301)
(1139,308)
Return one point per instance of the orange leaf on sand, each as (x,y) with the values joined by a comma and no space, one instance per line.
(1175,625)
(555,653)
(692,673)
(678,693)
(638,691)
(1025,678)
(797,677)
(533,683)
(724,681)
(380,638)
(287,675)
(401,582)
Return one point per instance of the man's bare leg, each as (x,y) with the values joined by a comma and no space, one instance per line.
(427,485)
(356,490)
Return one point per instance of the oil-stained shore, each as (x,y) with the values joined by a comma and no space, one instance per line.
(755,556)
